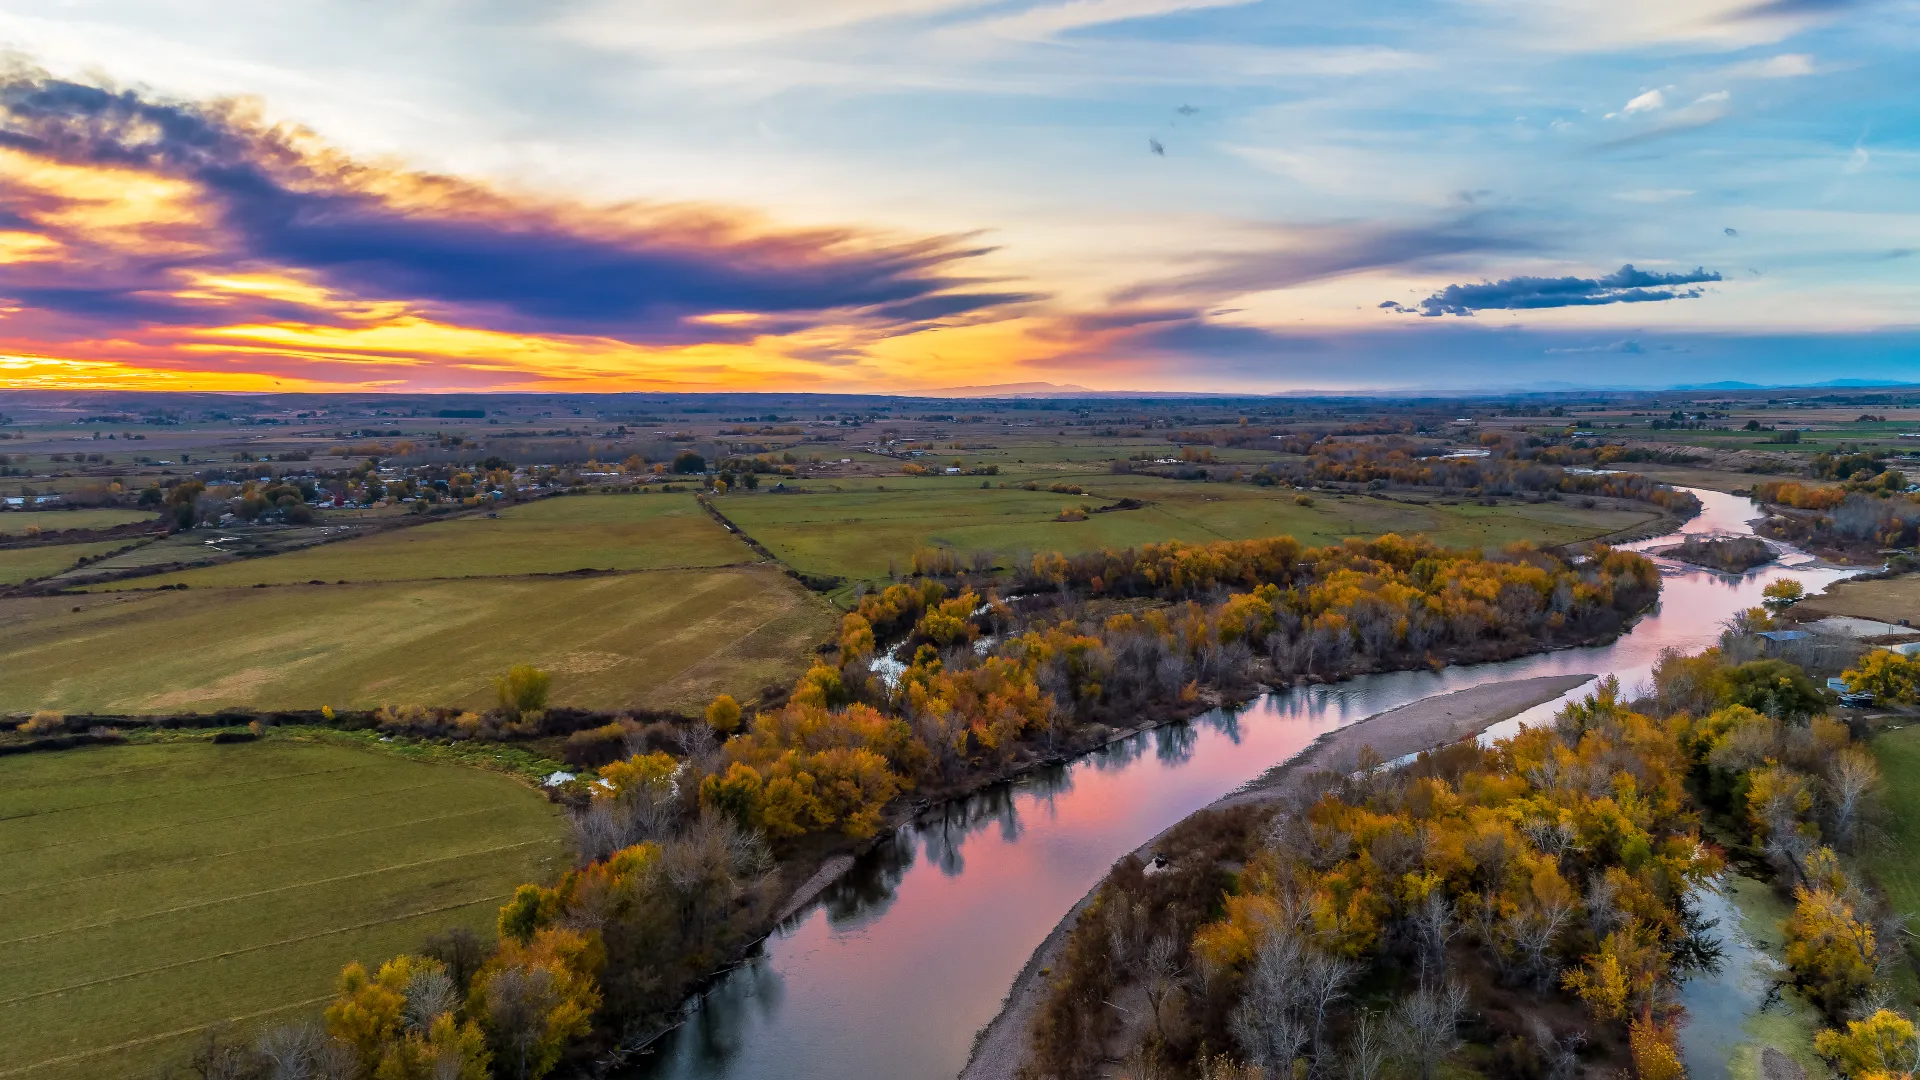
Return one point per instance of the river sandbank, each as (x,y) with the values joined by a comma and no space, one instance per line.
(1001,1047)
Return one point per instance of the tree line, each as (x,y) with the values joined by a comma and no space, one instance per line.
(1535,898)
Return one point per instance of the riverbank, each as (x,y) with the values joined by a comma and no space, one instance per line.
(1001,1047)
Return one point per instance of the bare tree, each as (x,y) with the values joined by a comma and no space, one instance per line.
(1850,781)
(1435,926)
(430,994)
(304,1052)
(1426,1026)
(1366,1057)
(1268,1023)
(1324,983)
(519,999)
(1160,970)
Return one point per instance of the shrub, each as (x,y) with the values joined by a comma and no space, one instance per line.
(723,715)
(45,722)
(523,690)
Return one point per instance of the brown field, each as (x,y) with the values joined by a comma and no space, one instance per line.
(656,639)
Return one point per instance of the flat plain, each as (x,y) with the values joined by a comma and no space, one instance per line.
(816,532)
(17,523)
(659,639)
(551,536)
(28,563)
(1889,600)
(155,889)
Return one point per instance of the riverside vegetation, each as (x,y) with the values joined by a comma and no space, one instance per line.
(678,849)
(1523,909)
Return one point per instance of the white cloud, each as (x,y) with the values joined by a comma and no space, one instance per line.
(1652,195)
(1647,102)
(1712,99)
(1784,66)
(1045,22)
(1856,161)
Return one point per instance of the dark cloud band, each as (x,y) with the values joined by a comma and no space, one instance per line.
(1624,286)
(450,248)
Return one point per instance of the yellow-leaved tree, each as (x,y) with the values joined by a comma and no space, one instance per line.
(1880,1047)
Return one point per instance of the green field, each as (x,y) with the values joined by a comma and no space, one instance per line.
(1889,857)
(660,639)
(552,536)
(154,890)
(27,563)
(858,532)
(17,523)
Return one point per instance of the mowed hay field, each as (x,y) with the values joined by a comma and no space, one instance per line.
(659,639)
(28,563)
(1884,601)
(17,523)
(1889,855)
(857,533)
(551,536)
(155,889)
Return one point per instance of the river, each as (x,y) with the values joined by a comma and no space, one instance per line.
(891,972)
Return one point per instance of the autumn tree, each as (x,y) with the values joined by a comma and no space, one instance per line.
(1880,1047)
(523,690)
(723,715)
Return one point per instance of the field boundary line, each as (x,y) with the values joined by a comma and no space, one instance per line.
(142,973)
(144,798)
(229,817)
(256,894)
(247,851)
(143,1040)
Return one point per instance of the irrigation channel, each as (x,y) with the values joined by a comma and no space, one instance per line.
(888,975)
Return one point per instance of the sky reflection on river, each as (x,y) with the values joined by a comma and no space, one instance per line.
(892,972)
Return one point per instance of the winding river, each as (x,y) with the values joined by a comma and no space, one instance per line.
(891,972)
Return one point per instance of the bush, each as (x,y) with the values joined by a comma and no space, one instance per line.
(595,747)
(523,690)
(45,722)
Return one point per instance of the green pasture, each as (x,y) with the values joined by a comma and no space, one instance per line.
(660,639)
(18,522)
(155,890)
(28,563)
(1889,857)
(551,536)
(858,531)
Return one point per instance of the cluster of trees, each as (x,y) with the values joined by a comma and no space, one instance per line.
(1889,676)
(1558,861)
(1384,909)
(988,679)
(1873,513)
(1511,467)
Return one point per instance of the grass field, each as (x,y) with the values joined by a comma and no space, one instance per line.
(815,532)
(25,564)
(662,639)
(1887,601)
(587,532)
(14,524)
(1889,858)
(152,890)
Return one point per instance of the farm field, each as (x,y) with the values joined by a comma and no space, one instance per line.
(159,888)
(27,563)
(1887,601)
(659,639)
(810,532)
(1889,857)
(552,536)
(17,523)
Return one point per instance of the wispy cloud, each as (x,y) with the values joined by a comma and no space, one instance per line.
(1624,286)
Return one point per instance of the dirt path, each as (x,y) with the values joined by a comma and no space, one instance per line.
(1421,725)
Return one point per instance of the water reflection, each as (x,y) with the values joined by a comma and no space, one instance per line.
(890,975)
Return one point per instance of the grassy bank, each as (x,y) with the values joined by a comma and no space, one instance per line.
(156,889)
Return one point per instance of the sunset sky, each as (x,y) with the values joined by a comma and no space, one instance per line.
(901,195)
